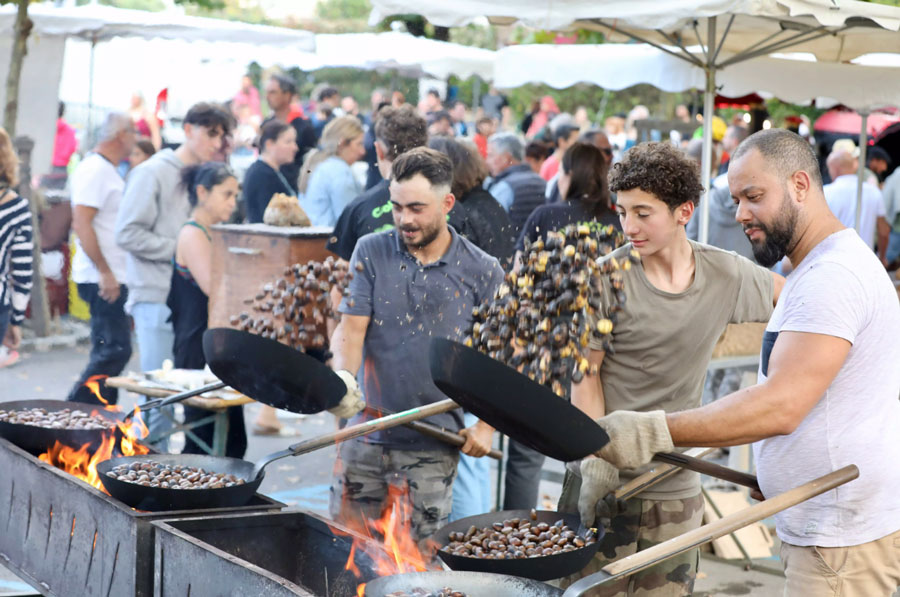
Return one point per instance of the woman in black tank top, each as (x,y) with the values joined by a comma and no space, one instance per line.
(212,191)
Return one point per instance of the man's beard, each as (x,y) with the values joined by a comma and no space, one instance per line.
(779,235)
(429,234)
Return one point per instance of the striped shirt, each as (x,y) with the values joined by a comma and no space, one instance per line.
(15,257)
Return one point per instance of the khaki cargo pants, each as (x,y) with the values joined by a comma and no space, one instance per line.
(644,524)
(868,570)
(364,472)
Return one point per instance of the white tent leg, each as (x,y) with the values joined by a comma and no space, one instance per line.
(709,97)
(89,133)
(861,168)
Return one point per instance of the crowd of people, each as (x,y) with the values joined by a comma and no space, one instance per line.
(446,205)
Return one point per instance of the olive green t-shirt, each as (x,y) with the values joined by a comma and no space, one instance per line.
(662,342)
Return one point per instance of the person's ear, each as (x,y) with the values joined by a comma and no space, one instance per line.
(448,202)
(379,150)
(684,212)
(801,184)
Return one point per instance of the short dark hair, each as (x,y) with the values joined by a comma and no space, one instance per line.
(285,83)
(271,131)
(563,131)
(433,91)
(435,166)
(876,152)
(61,109)
(588,172)
(399,130)
(469,169)
(146,146)
(660,169)
(327,92)
(784,151)
(537,150)
(206,175)
(210,116)
(441,115)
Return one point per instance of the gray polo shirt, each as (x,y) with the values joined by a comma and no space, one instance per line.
(408,304)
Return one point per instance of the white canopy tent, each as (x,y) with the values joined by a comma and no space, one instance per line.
(95,22)
(833,30)
(213,39)
(618,66)
(406,54)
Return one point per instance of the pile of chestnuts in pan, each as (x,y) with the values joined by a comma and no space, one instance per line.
(541,318)
(293,308)
(517,539)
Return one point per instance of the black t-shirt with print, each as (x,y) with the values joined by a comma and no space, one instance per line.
(371,212)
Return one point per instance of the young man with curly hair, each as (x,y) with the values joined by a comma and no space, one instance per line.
(681,296)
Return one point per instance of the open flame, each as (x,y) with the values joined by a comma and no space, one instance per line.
(93,384)
(389,541)
(82,462)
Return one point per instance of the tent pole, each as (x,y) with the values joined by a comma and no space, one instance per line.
(861,167)
(708,109)
(89,133)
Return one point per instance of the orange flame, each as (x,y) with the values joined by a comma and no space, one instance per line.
(93,384)
(389,540)
(82,463)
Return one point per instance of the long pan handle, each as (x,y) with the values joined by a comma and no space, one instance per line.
(439,433)
(160,402)
(342,435)
(656,475)
(707,468)
(714,530)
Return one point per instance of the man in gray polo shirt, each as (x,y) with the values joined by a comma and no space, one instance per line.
(413,283)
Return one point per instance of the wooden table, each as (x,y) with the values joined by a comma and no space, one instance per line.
(216,406)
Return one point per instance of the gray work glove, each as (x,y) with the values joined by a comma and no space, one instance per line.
(352,402)
(634,437)
(598,479)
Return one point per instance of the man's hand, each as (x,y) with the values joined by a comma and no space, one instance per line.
(598,479)
(109,287)
(634,437)
(352,402)
(479,439)
(13,337)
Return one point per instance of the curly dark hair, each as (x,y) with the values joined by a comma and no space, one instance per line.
(661,170)
(399,130)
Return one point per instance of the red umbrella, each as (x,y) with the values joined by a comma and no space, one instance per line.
(846,121)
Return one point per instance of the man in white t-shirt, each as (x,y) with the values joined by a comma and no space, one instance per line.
(828,382)
(98,267)
(841,198)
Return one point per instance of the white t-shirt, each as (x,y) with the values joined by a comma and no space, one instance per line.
(840,289)
(841,197)
(96,183)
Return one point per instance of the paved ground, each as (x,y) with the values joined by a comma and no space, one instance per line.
(303,482)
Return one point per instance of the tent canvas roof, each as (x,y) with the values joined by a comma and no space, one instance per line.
(96,22)
(853,28)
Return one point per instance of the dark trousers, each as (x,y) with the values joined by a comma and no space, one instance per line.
(523,477)
(5,314)
(236,441)
(110,343)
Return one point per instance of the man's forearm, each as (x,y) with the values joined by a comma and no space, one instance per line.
(745,416)
(347,349)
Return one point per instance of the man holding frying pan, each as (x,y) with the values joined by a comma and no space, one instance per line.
(828,382)
(681,296)
(417,281)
